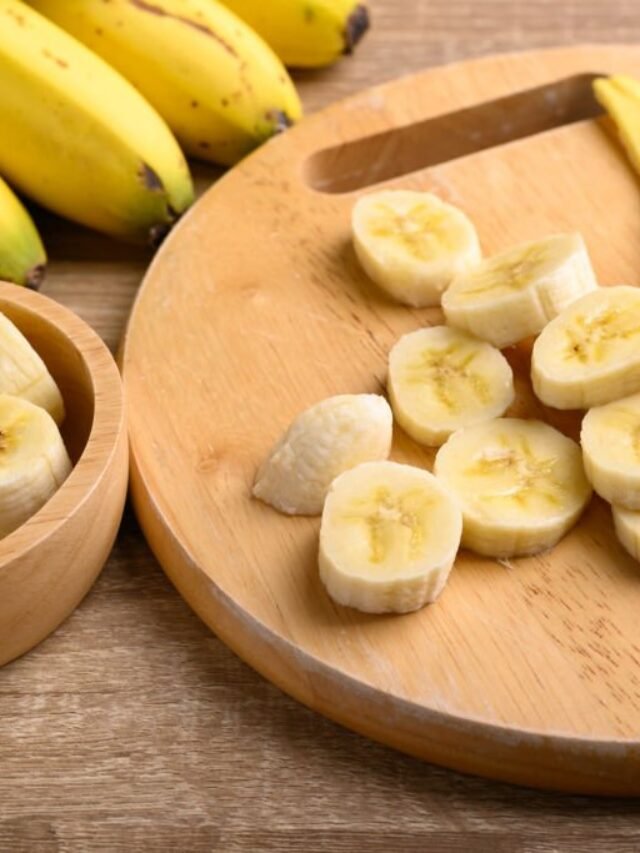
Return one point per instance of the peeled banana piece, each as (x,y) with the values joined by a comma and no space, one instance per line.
(322,442)
(388,538)
(590,354)
(217,84)
(441,379)
(33,461)
(22,255)
(627,527)
(521,485)
(24,374)
(412,244)
(513,295)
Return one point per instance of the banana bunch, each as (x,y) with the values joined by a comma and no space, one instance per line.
(22,255)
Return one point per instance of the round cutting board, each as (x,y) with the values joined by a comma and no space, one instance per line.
(255,308)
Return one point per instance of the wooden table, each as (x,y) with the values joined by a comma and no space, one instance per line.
(133,728)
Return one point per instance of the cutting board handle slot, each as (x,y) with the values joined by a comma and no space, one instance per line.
(401,150)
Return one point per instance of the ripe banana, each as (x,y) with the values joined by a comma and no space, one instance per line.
(24,374)
(513,295)
(78,138)
(627,527)
(620,96)
(306,33)
(520,484)
(218,85)
(22,255)
(590,354)
(322,442)
(412,244)
(33,461)
(388,538)
(442,379)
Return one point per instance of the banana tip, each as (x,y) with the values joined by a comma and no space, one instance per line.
(358,23)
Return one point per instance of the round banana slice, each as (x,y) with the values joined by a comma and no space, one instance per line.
(24,374)
(388,538)
(412,243)
(441,379)
(590,354)
(513,295)
(627,526)
(322,442)
(521,485)
(610,440)
(33,460)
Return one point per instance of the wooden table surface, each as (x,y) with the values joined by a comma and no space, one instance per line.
(133,728)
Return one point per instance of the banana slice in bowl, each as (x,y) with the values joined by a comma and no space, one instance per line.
(442,379)
(513,295)
(412,244)
(388,538)
(520,483)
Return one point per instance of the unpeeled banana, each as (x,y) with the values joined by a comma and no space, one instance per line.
(306,33)
(620,96)
(218,85)
(78,138)
(33,461)
(513,295)
(22,255)
(388,538)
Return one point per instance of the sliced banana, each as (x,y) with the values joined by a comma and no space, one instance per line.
(590,354)
(33,460)
(627,526)
(441,379)
(521,485)
(388,538)
(24,374)
(412,243)
(513,295)
(321,443)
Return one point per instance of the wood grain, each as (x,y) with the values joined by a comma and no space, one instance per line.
(134,728)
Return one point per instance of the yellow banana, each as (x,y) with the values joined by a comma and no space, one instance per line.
(78,138)
(22,255)
(306,33)
(218,85)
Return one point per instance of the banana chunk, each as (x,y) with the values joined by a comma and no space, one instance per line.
(412,244)
(627,527)
(590,354)
(521,485)
(24,374)
(513,295)
(442,379)
(610,440)
(322,442)
(33,461)
(388,538)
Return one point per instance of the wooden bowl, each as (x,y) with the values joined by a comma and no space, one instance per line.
(49,563)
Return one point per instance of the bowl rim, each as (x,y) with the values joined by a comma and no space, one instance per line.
(107,424)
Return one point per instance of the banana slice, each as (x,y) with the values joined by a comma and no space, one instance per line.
(388,538)
(521,485)
(412,244)
(33,460)
(513,295)
(321,443)
(627,526)
(610,440)
(24,374)
(441,379)
(590,354)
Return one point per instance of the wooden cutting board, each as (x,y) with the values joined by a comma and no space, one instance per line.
(256,308)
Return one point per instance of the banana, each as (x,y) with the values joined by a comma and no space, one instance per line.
(441,379)
(520,484)
(610,439)
(620,96)
(78,138)
(218,85)
(33,461)
(590,354)
(388,538)
(512,296)
(24,374)
(322,442)
(22,255)
(306,33)
(412,244)
(627,527)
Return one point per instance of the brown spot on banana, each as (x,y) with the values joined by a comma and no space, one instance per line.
(35,276)
(278,119)
(150,179)
(358,23)
(153,9)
